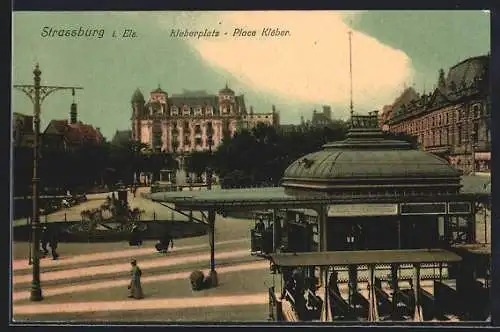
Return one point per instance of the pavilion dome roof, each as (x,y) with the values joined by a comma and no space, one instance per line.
(367,161)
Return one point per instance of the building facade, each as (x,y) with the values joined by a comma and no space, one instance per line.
(23,134)
(454,120)
(183,123)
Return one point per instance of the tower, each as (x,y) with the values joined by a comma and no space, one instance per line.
(137,112)
(73,115)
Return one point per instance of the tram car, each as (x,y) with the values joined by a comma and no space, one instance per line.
(386,286)
(262,234)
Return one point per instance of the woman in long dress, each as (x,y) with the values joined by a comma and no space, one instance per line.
(135,286)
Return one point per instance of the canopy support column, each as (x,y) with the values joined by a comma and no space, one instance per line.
(353,282)
(418,316)
(211,237)
(276,231)
(373,315)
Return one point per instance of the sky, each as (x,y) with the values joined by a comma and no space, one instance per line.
(306,68)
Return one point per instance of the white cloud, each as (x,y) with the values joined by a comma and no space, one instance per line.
(309,66)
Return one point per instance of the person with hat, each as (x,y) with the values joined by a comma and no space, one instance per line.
(135,286)
(49,237)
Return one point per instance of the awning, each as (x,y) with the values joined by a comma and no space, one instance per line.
(330,258)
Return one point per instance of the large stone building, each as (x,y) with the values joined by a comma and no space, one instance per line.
(182,123)
(454,120)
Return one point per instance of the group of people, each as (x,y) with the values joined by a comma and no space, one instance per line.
(162,246)
(299,287)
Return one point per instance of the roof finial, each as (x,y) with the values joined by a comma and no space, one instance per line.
(73,93)
(227,86)
(351,106)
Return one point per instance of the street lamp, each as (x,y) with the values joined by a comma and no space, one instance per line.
(209,170)
(37,94)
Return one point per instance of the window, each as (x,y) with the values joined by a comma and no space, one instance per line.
(197,111)
(476,108)
(209,111)
(186,111)
(174,111)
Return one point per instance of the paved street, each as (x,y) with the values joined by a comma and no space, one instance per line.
(91,284)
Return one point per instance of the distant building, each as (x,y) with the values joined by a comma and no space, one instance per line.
(71,134)
(454,120)
(23,134)
(121,137)
(408,95)
(182,123)
(323,119)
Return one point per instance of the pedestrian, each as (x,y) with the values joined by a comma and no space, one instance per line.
(135,286)
(164,243)
(45,241)
(53,242)
(135,236)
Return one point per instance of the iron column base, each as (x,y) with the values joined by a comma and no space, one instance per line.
(36,292)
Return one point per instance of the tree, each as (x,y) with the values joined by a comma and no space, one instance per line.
(260,156)
(197,163)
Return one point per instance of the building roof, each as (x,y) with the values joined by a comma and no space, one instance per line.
(137,96)
(467,71)
(330,258)
(158,90)
(193,100)
(464,79)
(74,133)
(226,90)
(276,197)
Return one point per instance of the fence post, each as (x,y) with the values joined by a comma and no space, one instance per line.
(65,217)
(154,215)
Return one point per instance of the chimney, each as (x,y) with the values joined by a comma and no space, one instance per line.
(274,109)
(251,110)
(73,114)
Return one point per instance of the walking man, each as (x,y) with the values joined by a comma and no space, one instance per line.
(135,286)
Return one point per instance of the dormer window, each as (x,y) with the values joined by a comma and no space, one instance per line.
(224,110)
(174,111)
(197,111)
(186,111)
(209,111)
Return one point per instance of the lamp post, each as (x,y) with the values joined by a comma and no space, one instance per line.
(209,170)
(37,94)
